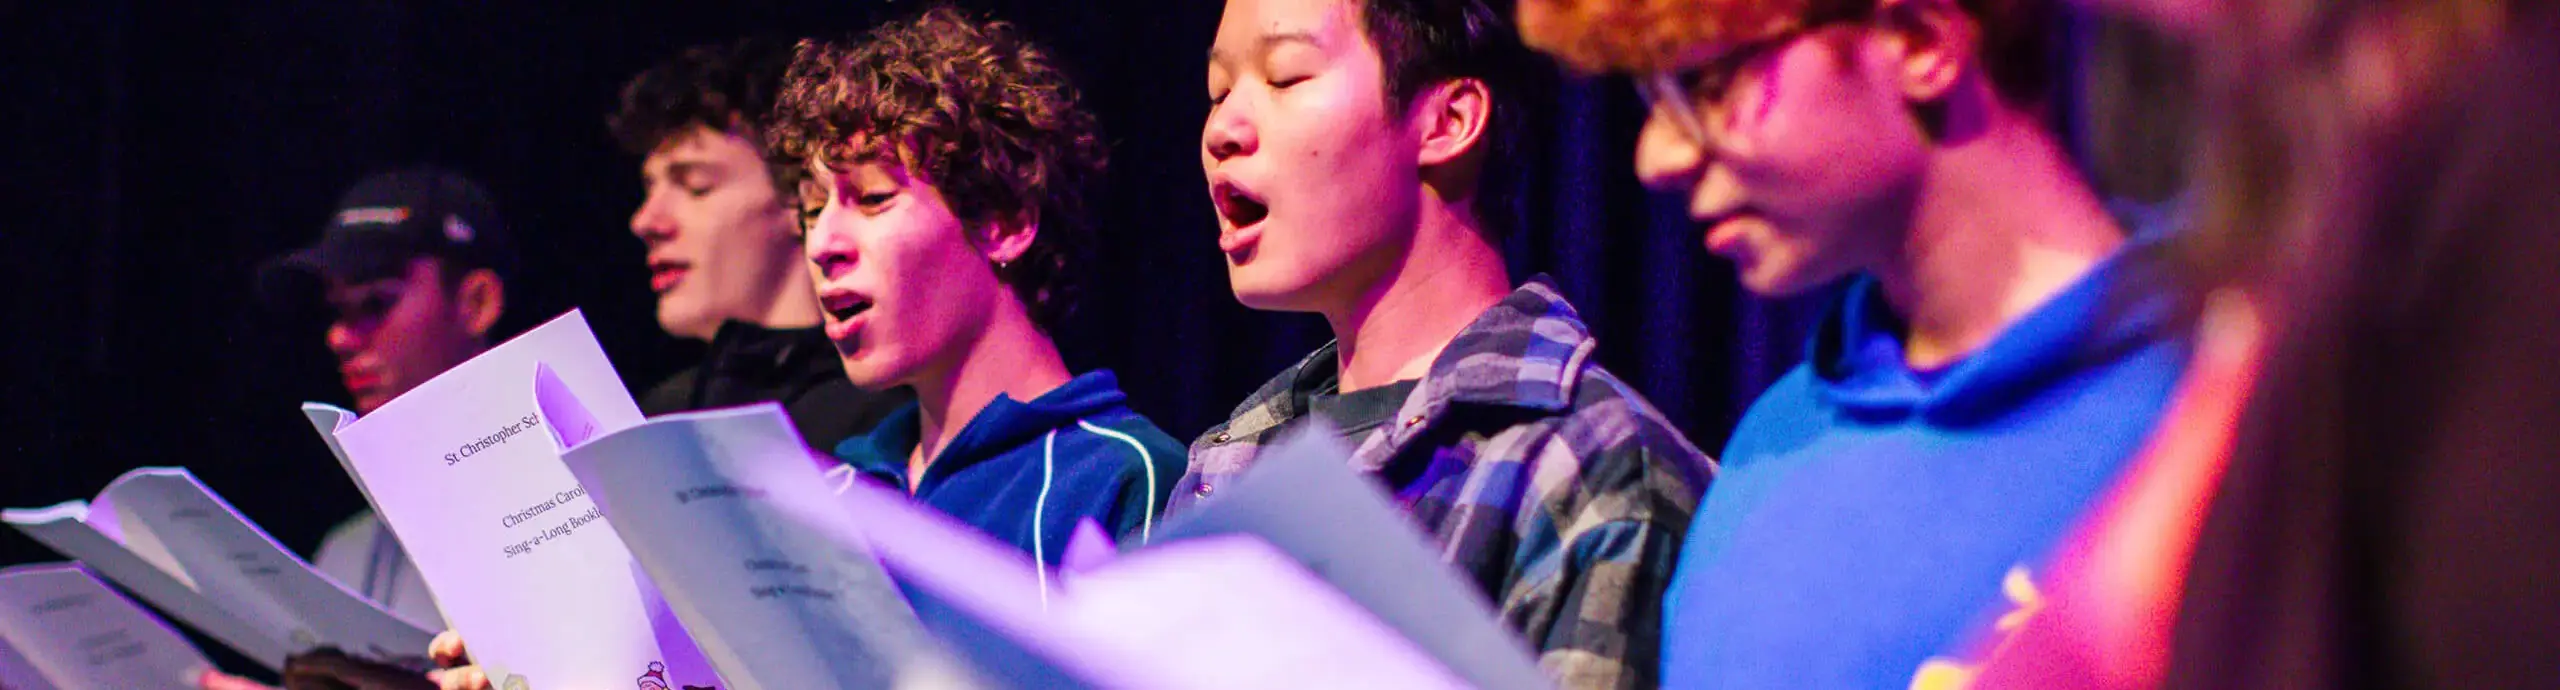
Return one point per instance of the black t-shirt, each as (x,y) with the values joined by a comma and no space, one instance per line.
(1358,412)
(797,367)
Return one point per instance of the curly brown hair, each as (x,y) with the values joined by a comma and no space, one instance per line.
(2017,36)
(970,106)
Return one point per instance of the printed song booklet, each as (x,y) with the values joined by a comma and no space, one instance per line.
(465,471)
(711,505)
(164,536)
(61,629)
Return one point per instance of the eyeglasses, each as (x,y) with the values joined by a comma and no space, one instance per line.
(1699,99)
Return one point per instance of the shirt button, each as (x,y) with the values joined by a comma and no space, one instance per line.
(1202,492)
(1220,438)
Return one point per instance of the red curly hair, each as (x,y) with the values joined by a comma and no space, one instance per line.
(1637,36)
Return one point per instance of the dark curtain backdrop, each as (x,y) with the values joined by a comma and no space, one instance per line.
(157,151)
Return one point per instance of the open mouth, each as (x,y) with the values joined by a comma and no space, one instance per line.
(359,381)
(665,275)
(843,306)
(1239,207)
(1721,231)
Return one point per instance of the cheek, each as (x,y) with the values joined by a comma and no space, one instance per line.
(938,277)
(411,333)
(1815,138)
(752,227)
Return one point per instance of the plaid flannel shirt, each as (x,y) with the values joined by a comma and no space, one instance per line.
(1544,478)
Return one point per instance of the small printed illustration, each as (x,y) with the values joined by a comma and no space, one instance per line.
(656,679)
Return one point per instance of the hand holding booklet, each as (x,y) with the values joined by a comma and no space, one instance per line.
(163,535)
(62,629)
(466,472)
(575,546)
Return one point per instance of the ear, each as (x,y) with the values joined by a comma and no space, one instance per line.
(480,299)
(1008,237)
(1935,41)
(1451,119)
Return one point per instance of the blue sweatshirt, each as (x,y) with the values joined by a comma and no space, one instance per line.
(1867,514)
(1026,472)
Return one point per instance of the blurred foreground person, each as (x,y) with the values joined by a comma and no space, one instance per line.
(2354,487)
(2002,348)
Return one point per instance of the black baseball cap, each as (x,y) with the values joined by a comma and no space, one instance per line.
(389,218)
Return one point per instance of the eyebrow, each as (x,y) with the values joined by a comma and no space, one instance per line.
(1268,41)
(681,169)
(354,294)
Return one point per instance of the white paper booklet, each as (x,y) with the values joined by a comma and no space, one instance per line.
(1230,612)
(711,503)
(464,472)
(1302,496)
(17,673)
(329,420)
(162,534)
(73,633)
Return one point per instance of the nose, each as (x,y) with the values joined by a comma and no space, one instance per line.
(1670,161)
(344,341)
(651,222)
(1667,159)
(1228,133)
(830,249)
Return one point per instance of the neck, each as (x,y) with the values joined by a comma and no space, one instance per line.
(1008,357)
(789,302)
(2003,222)
(1392,330)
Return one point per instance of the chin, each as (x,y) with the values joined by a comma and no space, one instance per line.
(1263,289)
(684,322)
(1780,280)
(872,370)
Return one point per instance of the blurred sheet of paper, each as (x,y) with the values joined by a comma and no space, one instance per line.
(80,635)
(1302,496)
(1214,612)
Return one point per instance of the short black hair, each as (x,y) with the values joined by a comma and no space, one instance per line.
(729,87)
(1425,42)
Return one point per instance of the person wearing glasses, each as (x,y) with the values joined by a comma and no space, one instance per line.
(1998,353)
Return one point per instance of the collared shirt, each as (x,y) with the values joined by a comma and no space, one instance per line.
(1546,480)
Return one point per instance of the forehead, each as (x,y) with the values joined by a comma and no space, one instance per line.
(701,145)
(1251,26)
(865,164)
(412,276)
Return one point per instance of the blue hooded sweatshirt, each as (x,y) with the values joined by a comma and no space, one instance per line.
(1026,472)
(1869,517)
